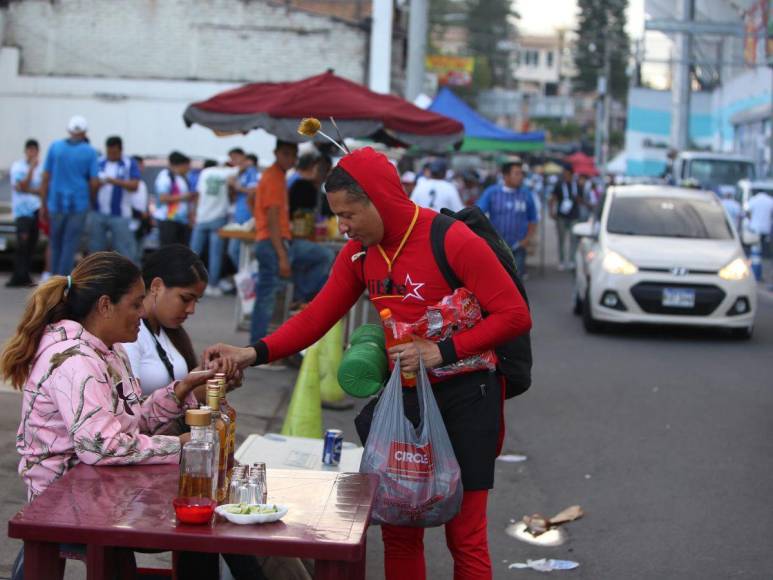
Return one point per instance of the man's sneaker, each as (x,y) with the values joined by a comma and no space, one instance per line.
(226,286)
(213,291)
(277,365)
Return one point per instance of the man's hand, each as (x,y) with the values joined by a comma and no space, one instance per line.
(227,356)
(285,270)
(410,352)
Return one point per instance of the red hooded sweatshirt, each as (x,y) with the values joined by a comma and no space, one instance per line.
(417,281)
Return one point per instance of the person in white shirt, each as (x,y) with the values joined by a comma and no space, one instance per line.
(118,177)
(175,279)
(26,177)
(140,223)
(760,211)
(436,193)
(172,198)
(732,207)
(211,215)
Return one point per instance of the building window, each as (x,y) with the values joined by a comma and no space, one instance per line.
(531,58)
(550,59)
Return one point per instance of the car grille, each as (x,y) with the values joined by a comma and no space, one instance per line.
(649,296)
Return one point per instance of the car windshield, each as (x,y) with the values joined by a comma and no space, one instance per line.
(712,172)
(669,217)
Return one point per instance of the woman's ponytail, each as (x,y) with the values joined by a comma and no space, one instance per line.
(46,305)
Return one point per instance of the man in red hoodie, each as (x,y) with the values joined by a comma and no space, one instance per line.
(390,255)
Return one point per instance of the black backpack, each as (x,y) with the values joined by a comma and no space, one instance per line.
(514,355)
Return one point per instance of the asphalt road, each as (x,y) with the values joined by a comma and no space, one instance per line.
(663,436)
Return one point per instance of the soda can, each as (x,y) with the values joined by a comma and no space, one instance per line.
(331,451)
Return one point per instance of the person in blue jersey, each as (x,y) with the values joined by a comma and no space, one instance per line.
(510,207)
(26,175)
(69,181)
(119,177)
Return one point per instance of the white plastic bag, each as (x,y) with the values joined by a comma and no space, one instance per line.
(420,481)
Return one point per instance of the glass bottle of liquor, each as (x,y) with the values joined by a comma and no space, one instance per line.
(226,408)
(214,439)
(195,501)
(221,424)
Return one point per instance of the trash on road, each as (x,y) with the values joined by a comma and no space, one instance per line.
(539,524)
(552,537)
(512,458)
(545,565)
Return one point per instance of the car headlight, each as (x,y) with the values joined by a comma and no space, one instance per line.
(738,269)
(614,263)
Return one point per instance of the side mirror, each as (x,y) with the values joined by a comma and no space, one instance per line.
(584,230)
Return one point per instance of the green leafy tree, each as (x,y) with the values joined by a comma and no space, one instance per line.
(601,27)
(490,28)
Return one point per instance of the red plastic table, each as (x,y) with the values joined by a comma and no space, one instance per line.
(131,507)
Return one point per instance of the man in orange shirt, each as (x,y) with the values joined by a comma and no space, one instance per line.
(277,255)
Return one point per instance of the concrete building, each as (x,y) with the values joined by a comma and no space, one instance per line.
(132,70)
(734,112)
(542,64)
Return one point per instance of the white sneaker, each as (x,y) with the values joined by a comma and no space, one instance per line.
(45,276)
(226,286)
(213,291)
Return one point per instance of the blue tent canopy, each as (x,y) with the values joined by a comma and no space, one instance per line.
(480,134)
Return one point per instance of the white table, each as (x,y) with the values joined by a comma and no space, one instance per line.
(286,452)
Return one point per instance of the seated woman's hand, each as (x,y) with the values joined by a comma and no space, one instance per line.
(197,377)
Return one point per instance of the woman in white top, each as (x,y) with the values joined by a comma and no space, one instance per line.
(175,279)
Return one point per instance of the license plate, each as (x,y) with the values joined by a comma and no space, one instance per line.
(679,297)
(3,244)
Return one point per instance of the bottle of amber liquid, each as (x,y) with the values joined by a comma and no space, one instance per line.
(226,408)
(195,501)
(220,422)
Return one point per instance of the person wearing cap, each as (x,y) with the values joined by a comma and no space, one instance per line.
(408,179)
(70,179)
(389,253)
(119,178)
(435,192)
(511,209)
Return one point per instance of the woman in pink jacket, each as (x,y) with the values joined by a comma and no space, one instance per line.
(81,401)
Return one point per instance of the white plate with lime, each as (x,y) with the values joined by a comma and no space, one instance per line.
(242,513)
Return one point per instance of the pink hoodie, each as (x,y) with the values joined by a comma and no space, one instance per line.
(82,403)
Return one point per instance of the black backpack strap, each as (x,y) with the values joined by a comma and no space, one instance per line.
(437,236)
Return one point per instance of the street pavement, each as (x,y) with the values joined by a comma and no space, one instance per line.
(662,435)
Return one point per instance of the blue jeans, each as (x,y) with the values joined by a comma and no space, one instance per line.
(519,253)
(202,232)
(310,263)
(66,232)
(122,240)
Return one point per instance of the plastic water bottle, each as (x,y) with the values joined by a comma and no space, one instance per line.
(756,256)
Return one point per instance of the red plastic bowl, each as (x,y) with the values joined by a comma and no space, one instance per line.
(194,510)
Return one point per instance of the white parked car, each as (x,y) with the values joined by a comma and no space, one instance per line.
(663,255)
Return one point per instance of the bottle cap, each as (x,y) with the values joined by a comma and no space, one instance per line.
(198,417)
(384,314)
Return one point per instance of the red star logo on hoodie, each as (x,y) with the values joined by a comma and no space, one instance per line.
(412,289)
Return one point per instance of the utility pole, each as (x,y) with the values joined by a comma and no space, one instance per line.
(680,84)
(417,48)
(380,65)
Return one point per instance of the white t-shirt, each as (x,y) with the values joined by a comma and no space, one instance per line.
(761,213)
(212,188)
(146,362)
(24,204)
(140,200)
(437,194)
(175,211)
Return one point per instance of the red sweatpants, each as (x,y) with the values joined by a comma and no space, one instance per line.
(466,537)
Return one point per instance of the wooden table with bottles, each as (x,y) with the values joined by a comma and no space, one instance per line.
(107,508)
